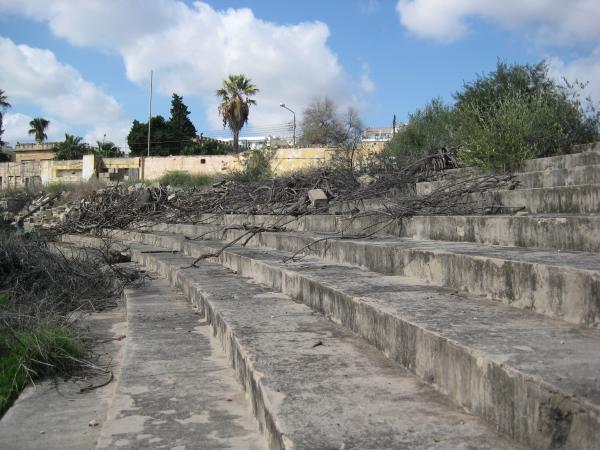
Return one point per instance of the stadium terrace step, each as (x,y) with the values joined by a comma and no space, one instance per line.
(581,175)
(583,155)
(578,233)
(176,389)
(312,383)
(581,199)
(563,285)
(533,378)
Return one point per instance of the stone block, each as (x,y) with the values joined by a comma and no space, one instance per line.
(318,198)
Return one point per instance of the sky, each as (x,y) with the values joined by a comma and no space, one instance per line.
(85,64)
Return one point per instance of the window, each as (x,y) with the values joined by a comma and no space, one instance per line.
(202,161)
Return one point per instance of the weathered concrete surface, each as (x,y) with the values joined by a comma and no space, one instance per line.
(529,180)
(581,199)
(313,384)
(564,285)
(176,388)
(534,378)
(55,415)
(569,232)
(586,155)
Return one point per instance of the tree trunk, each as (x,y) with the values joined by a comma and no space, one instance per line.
(236,145)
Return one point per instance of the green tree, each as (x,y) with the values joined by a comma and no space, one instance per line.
(428,131)
(557,118)
(323,125)
(168,137)
(161,140)
(182,127)
(107,150)
(235,104)
(206,146)
(72,147)
(38,128)
(4,105)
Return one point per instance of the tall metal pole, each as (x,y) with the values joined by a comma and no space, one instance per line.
(294,125)
(294,138)
(150,112)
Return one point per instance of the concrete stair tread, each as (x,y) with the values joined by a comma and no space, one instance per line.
(526,389)
(175,389)
(571,232)
(547,178)
(580,199)
(323,386)
(565,356)
(562,285)
(564,259)
(570,260)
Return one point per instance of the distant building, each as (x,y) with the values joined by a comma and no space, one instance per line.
(256,142)
(379,134)
(34,151)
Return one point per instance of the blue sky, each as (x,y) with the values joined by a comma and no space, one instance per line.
(85,64)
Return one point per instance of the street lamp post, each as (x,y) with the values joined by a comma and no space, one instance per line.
(294,114)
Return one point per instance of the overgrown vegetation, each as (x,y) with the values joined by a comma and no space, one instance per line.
(255,166)
(32,354)
(511,114)
(179,178)
(41,290)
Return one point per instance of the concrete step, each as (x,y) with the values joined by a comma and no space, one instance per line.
(533,378)
(581,199)
(581,175)
(578,233)
(176,389)
(562,285)
(312,383)
(584,155)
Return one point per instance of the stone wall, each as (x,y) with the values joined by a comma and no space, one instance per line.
(18,174)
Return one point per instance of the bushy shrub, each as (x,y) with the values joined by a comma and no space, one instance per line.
(179,178)
(518,112)
(511,114)
(255,165)
(428,131)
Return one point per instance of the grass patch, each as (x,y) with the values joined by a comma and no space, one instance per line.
(180,178)
(32,354)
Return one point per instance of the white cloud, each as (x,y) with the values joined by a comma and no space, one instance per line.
(35,77)
(554,20)
(366,83)
(369,7)
(585,69)
(550,22)
(16,126)
(193,48)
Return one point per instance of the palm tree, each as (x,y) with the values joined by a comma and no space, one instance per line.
(107,150)
(38,128)
(72,147)
(4,105)
(235,103)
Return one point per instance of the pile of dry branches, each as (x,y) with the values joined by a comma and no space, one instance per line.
(394,189)
(43,282)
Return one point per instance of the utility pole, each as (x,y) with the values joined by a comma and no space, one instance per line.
(150,112)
